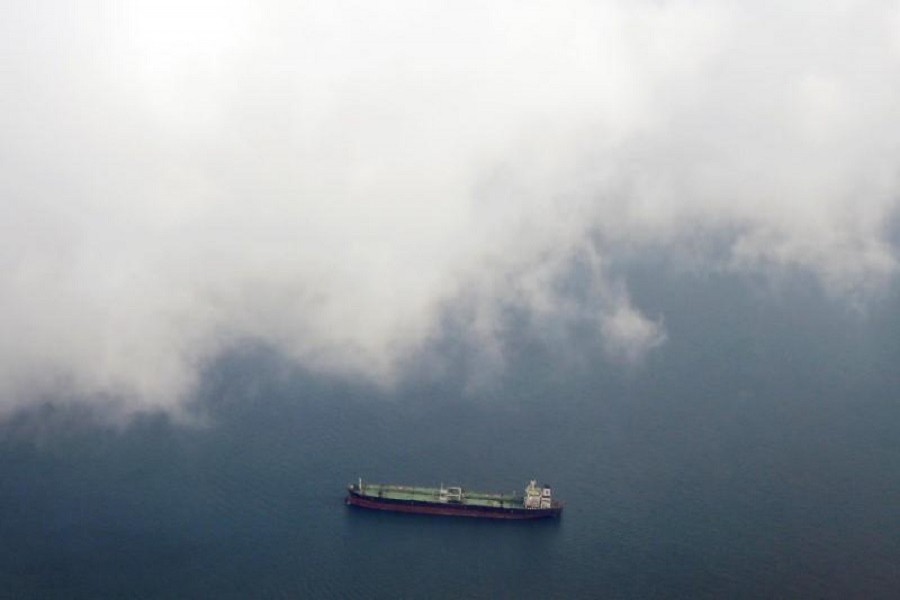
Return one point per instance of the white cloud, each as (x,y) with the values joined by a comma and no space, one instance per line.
(628,335)
(330,177)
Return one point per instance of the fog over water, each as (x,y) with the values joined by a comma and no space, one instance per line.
(183,178)
(645,251)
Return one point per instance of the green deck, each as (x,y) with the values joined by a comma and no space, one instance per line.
(426,494)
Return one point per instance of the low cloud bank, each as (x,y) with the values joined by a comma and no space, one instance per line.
(178,178)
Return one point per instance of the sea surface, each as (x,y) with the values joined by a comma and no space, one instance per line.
(756,454)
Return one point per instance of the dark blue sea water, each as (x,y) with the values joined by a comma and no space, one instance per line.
(755,455)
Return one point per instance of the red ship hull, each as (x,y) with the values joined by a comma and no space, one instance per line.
(450,510)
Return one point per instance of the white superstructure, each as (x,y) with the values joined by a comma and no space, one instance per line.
(538,496)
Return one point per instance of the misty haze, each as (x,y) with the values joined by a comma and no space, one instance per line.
(644,251)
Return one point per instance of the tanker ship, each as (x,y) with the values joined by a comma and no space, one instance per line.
(536,503)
